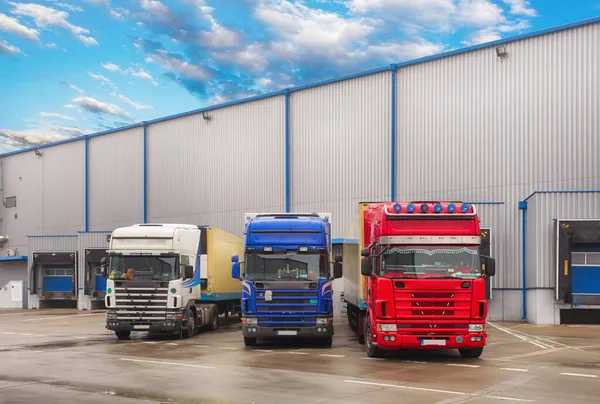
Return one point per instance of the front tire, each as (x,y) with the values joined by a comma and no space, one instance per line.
(190,329)
(372,350)
(123,334)
(250,341)
(214,325)
(471,353)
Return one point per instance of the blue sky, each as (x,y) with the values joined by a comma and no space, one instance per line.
(70,67)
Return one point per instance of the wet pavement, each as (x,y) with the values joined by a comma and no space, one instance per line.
(65,356)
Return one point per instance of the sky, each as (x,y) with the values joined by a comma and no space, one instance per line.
(75,67)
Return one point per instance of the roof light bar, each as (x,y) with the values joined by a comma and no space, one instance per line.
(438,207)
(465,207)
(411,207)
(424,208)
(397,208)
(451,208)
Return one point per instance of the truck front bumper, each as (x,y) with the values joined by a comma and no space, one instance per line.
(259,331)
(393,341)
(155,326)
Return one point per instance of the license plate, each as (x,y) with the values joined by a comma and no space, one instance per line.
(434,342)
(140,327)
(287,332)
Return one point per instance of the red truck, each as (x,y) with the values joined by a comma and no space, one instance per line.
(421,282)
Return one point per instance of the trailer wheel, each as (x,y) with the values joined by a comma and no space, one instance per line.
(214,325)
(250,341)
(122,334)
(471,353)
(372,350)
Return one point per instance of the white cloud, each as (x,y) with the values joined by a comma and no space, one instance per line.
(69,7)
(25,138)
(219,37)
(74,87)
(51,45)
(70,106)
(69,131)
(398,51)
(102,79)
(55,115)
(134,104)
(313,29)
(142,74)
(431,12)
(159,12)
(513,27)
(45,17)
(521,7)
(99,2)
(8,49)
(481,13)
(119,13)
(172,63)
(12,25)
(98,107)
(111,67)
(482,36)
(252,57)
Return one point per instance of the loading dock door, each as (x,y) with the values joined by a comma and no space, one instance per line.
(95,283)
(486,250)
(585,277)
(54,275)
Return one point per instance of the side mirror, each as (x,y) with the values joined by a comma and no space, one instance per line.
(337,270)
(489,266)
(235,270)
(188,272)
(338,258)
(365,252)
(235,258)
(366,267)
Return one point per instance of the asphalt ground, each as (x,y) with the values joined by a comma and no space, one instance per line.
(66,356)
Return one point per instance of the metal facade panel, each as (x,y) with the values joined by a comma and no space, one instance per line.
(475,127)
(542,209)
(340,147)
(116,179)
(95,239)
(49,190)
(52,243)
(212,171)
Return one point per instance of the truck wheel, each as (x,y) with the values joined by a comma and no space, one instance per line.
(190,328)
(214,326)
(471,353)
(250,341)
(122,334)
(372,350)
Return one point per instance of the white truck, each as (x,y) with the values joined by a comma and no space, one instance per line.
(169,278)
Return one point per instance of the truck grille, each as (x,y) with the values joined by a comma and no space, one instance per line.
(288,308)
(141,304)
(433,312)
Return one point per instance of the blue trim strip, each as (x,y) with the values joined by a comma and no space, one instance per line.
(14,258)
(394,70)
(344,241)
(523,208)
(575,191)
(86,159)
(287,150)
(145,196)
(221,296)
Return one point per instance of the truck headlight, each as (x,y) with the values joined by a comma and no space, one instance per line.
(388,327)
(111,316)
(476,327)
(251,321)
(321,321)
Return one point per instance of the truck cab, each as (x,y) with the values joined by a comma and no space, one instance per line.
(424,278)
(287,279)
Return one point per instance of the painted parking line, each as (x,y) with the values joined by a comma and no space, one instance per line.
(189,365)
(262,350)
(521,337)
(430,390)
(579,375)
(296,353)
(333,356)
(418,362)
(231,348)
(59,317)
(462,365)
(515,370)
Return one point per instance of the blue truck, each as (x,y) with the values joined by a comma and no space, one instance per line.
(287,279)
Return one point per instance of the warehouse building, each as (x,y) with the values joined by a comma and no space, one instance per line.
(511,126)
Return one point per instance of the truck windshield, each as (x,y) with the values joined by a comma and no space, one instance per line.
(451,262)
(131,267)
(288,267)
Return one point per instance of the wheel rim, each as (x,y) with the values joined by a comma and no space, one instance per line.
(369,336)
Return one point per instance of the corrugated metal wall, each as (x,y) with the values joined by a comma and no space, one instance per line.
(212,172)
(542,209)
(116,178)
(475,127)
(49,190)
(340,147)
(95,239)
(52,243)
